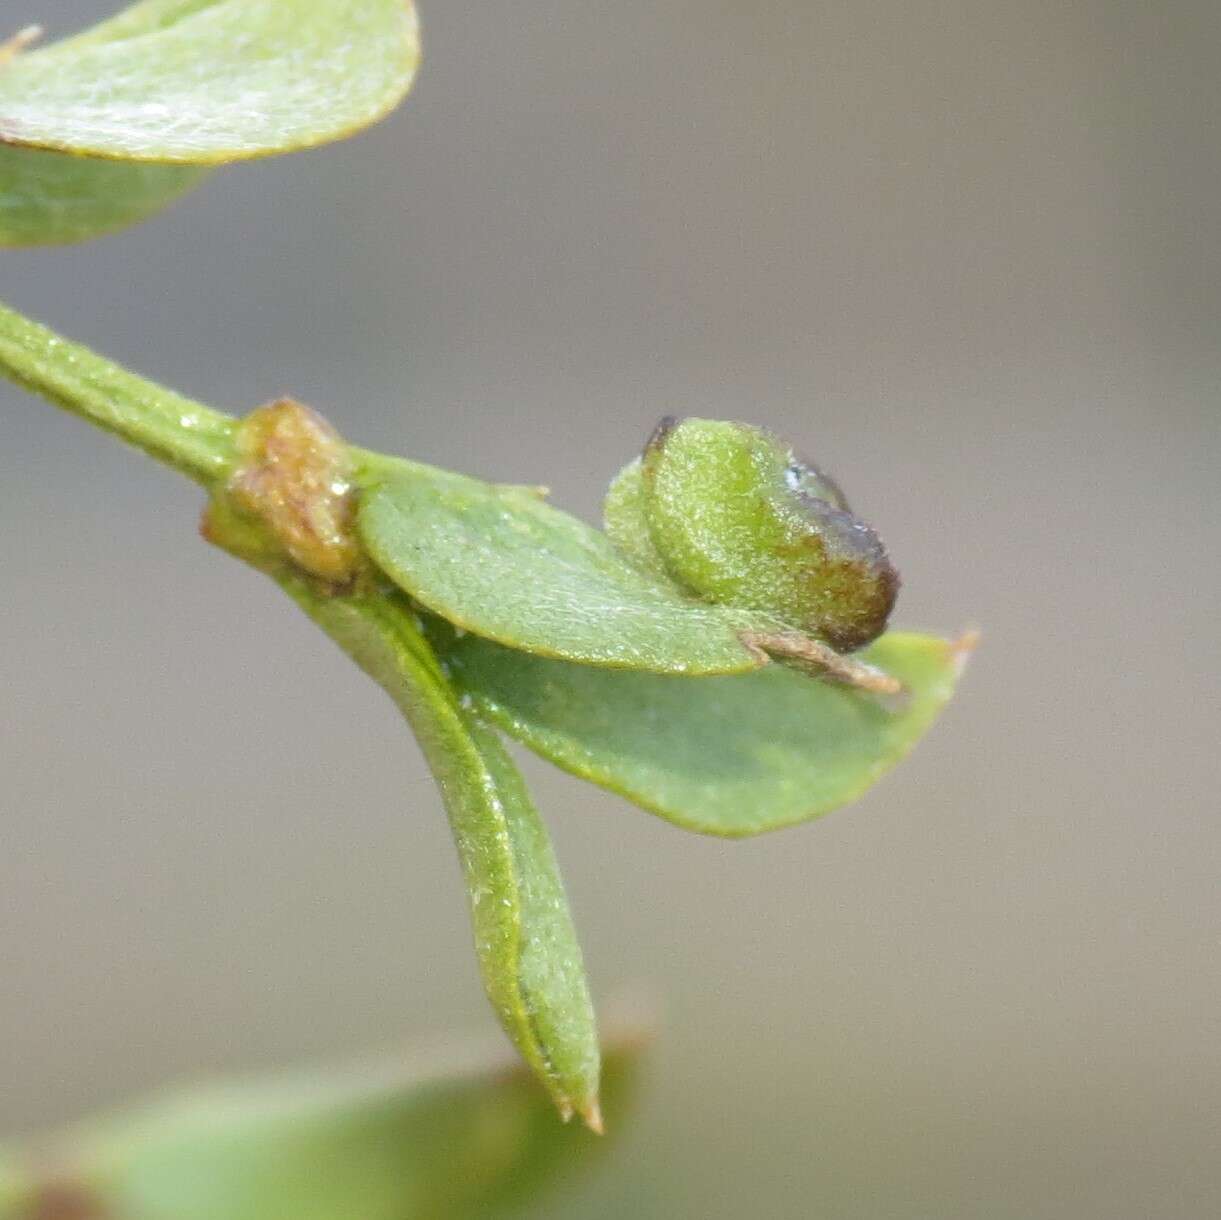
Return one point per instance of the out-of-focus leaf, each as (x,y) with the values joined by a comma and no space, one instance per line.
(733,755)
(502,564)
(14,1187)
(208,81)
(187,82)
(48,197)
(384,1143)
(524,936)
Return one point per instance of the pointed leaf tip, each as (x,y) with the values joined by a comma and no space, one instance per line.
(591,1115)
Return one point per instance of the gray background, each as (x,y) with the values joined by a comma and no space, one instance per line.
(965,254)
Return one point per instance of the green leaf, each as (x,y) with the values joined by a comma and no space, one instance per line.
(499,562)
(731,756)
(209,81)
(191,83)
(625,520)
(386,1142)
(524,938)
(48,197)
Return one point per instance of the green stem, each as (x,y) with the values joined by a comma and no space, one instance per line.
(185,435)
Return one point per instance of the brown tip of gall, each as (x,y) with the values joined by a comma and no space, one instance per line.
(665,426)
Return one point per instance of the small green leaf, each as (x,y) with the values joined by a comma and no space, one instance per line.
(734,755)
(386,1142)
(499,562)
(625,519)
(48,197)
(524,937)
(209,81)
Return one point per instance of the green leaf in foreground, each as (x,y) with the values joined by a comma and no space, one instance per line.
(383,1143)
(208,81)
(524,938)
(502,564)
(48,197)
(734,755)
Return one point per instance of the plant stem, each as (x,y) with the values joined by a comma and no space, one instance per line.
(187,436)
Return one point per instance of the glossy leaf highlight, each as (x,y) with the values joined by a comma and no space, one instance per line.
(734,755)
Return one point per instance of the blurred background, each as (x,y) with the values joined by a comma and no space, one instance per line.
(967,256)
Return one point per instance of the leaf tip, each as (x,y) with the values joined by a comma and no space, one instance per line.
(10,48)
(961,648)
(588,1110)
(591,1115)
